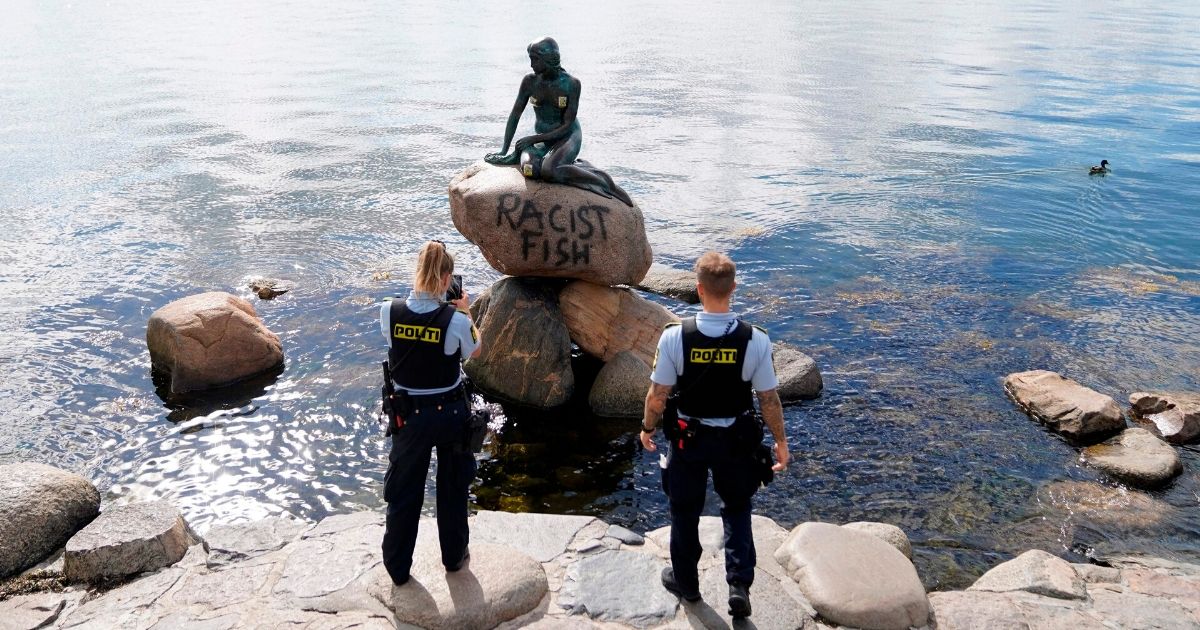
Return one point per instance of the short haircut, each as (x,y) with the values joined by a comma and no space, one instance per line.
(715,272)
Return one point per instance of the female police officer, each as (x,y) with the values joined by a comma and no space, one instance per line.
(427,338)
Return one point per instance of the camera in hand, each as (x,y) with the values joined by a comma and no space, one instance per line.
(455,291)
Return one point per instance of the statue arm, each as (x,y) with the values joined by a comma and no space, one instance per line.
(563,130)
(514,117)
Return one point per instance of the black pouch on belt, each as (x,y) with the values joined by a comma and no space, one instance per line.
(477,428)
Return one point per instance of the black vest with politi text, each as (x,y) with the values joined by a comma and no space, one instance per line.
(711,385)
(417,347)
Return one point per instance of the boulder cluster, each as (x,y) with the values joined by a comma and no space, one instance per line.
(1142,456)
(554,571)
(571,256)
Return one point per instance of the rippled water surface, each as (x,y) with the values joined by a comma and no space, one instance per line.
(903,185)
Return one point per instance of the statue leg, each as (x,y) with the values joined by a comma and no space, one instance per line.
(559,167)
(533,162)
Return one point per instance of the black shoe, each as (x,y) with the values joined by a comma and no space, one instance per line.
(456,567)
(669,583)
(739,601)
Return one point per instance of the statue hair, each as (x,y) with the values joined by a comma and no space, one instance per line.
(547,49)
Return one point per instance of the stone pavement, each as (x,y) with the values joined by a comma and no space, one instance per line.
(548,571)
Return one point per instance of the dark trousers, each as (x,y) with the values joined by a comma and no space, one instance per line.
(431,424)
(714,450)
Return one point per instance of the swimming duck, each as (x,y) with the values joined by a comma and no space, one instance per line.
(1099,170)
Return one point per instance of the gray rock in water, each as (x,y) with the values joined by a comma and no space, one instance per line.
(1065,406)
(799,377)
(1036,572)
(542,536)
(676,283)
(620,587)
(496,584)
(626,536)
(1136,457)
(526,356)
(886,532)
(229,543)
(40,508)
(1173,416)
(128,539)
(853,578)
(619,390)
(210,340)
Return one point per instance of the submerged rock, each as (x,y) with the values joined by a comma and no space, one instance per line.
(526,227)
(1065,406)
(209,340)
(269,288)
(1136,457)
(526,356)
(853,578)
(40,508)
(128,539)
(1173,416)
(605,321)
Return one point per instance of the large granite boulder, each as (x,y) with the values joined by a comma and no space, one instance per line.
(1173,416)
(526,356)
(128,539)
(496,584)
(619,390)
(666,281)
(40,508)
(211,339)
(605,321)
(799,377)
(1136,457)
(853,578)
(526,227)
(1067,407)
(886,532)
(1037,572)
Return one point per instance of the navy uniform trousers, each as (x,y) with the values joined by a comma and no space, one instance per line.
(716,450)
(431,424)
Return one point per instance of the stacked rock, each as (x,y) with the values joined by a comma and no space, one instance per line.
(565,249)
(568,251)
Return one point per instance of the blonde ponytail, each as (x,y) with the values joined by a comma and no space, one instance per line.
(433,263)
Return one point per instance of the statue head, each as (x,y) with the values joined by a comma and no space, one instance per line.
(545,51)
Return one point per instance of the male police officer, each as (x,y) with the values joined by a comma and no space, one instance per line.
(713,360)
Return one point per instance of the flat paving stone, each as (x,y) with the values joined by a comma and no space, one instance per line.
(541,536)
(775,605)
(627,536)
(228,543)
(620,587)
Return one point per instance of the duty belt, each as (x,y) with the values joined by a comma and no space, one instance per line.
(424,400)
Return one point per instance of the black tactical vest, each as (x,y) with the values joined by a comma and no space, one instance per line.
(417,347)
(711,385)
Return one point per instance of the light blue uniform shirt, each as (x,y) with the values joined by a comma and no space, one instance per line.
(758,369)
(460,336)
